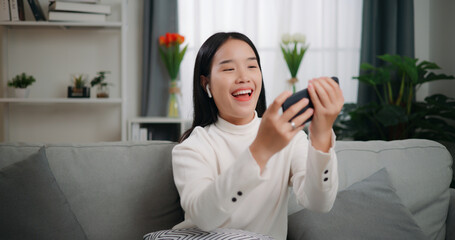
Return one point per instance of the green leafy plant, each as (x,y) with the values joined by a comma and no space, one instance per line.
(396,115)
(21,81)
(99,79)
(79,80)
(293,48)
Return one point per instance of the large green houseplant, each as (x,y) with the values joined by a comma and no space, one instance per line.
(396,115)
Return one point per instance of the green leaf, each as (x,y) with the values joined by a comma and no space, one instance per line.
(294,61)
(432,77)
(367,66)
(164,58)
(426,65)
(179,59)
(390,115)
(410,69)
(395,60)
(182,53)
(287,57)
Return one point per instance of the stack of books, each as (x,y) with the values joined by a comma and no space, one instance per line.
(78,11)
(13,10)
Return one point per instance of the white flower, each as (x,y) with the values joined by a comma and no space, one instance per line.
(298,37)
(286,38)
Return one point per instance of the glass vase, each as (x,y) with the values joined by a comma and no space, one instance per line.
(293,82)
(102,91)
(173,105)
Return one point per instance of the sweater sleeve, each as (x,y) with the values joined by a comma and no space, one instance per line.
(314,174)
(208,197)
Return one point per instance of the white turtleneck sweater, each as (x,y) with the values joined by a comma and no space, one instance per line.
(220,183)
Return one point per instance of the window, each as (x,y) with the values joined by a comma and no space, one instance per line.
(332,29)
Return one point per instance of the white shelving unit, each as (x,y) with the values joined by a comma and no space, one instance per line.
(61,100)
(119,26)
(161,128)
(61,24)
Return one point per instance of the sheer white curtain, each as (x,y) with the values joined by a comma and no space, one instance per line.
(332,28)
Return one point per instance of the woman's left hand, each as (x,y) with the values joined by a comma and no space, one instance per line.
(328,101)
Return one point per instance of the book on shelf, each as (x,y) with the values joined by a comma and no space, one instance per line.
(37,10)
(14,10)
(4,11)
(135,131)
(79,7)
(20,9)
(143,134)
(150,136)
(79,1)
(76,17)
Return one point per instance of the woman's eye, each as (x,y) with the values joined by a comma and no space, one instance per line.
(228,69)
(252,66)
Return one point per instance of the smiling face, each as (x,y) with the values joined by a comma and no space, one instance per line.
(235,81)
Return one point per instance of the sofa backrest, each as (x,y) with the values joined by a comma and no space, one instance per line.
(118,190)
(420,170)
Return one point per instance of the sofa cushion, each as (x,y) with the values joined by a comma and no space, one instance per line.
(420,170)
(118,190)
(11,153)
(195,233)
(32,205)
(369,209)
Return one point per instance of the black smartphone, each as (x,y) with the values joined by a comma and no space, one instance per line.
(299,95)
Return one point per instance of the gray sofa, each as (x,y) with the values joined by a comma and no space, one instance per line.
(123,190)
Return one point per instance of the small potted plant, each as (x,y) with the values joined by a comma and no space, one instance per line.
(79,88)
(20,85)
(102,90)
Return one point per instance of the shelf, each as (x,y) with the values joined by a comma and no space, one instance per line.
(157,128)
(158,120)
(62,100)
(61,24)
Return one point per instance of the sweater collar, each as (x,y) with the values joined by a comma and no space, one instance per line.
(226,126)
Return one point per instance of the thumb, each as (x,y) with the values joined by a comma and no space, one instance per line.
(276,105)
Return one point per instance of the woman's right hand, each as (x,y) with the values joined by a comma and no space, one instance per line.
(276,131)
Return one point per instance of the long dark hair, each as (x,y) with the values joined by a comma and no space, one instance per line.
(205,110)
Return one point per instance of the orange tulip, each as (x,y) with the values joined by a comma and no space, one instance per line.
(170,39)
(163,40)
(180,39)
(173,38)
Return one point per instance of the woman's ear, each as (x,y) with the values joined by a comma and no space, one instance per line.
(205,84)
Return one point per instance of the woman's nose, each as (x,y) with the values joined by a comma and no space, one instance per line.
(243,76)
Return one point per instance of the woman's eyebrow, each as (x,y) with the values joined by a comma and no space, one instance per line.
(230,60)
(225,61)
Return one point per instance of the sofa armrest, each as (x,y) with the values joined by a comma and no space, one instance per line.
(450,222)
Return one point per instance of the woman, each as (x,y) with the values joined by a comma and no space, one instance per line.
(232,169)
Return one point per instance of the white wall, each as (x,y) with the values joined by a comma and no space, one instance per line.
(435,41)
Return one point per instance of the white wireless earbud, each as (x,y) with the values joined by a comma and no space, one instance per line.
(208,91)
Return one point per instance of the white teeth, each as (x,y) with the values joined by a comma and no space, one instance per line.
(242,92)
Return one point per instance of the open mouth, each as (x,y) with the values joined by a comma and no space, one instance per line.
(243,94)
